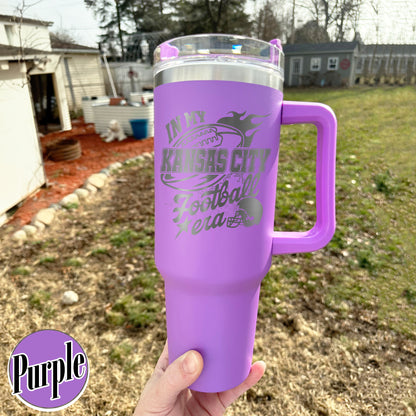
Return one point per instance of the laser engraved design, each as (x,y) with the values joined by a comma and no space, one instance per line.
(215,171)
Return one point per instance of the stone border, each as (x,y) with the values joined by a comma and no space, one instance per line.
(45,217)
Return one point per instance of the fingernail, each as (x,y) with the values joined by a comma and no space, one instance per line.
(190,363)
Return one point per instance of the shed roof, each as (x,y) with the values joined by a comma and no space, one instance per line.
(327,47)
(19,19)
(386,49)
(15,52)
(66,45)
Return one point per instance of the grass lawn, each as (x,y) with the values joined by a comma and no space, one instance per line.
(337,328)
(371,259)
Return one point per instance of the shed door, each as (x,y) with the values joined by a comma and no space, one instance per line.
(295,71)
(45,103)
(21,165)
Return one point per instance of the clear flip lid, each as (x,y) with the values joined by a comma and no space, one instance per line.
(220,48)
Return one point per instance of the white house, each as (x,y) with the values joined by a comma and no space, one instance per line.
(24,33)
(34,79)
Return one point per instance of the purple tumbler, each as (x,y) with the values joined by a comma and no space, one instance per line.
(218,110)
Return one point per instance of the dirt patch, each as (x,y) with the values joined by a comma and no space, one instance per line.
(320,362)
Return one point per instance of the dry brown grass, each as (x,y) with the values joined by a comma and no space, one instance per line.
(319,362)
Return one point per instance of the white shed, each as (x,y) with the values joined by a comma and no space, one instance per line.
(21,164)
(31,87)
(82,68)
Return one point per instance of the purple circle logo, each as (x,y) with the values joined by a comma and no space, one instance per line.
(48,370)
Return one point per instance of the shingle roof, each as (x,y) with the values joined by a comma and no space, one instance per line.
(319,47)
(385,49)
(15,52)
(57,43)
(18,19)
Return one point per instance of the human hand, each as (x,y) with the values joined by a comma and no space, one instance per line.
(167,393)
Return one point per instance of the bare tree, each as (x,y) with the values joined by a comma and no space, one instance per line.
(375,5)
(335,16)
(346,17)
(266,24)
(310,32)
(211,16)
(321,11)
(29,40)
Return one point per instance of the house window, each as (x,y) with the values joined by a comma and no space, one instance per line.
(333,63)
(394,66)
(360,65)
(403,65)
(12,36)
(315,64)
(376,65)
(296,70)
(296,64)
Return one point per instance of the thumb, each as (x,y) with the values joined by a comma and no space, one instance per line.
(178,376)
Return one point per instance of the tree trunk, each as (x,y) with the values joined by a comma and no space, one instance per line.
(120,34)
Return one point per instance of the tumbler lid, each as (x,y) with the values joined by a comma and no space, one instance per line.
(232,51)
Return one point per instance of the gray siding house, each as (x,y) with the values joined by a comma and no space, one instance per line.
(321,64)
(386,64)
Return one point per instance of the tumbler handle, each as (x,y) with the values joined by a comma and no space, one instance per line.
(321,233)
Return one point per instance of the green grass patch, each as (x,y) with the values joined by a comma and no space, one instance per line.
(147,295)
(123,355)
(145,280)
(124,237)
(71,206)
(21,271)
(134,313)
(371,260)
(100,251)
(40,300)
(121,352)
(74,262)
(50,242)
(410,295)
(47,259)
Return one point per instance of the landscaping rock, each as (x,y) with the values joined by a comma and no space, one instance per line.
(97,179)
(45,216)
(19,236)
(82,193)
(90,188)
(71,199)
(69,298)
(39,225)
(55,207)
(115,166)
(3,219)
(29,229)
